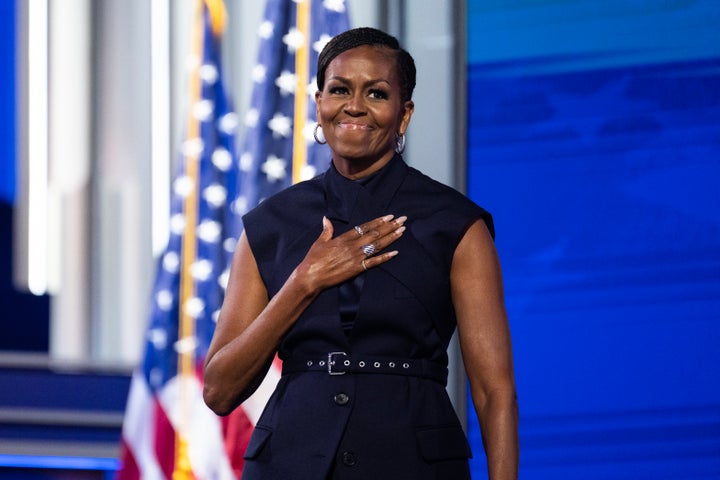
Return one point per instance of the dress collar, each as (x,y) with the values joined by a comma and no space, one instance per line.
(364,199)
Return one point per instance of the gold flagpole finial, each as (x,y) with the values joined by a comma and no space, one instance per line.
(218,15)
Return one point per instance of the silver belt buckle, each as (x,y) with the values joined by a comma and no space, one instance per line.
(331,362)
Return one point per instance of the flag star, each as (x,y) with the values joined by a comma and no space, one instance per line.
(188,344)
(309,131)
(223,278)
(240,205)
(228,123)
(312,88)
(286,82)
(222,159)
(183,186)
(280,125)
(177,224)
(171,262)
(194,307)
(203,110)
(307,172)
(192,147)
(334,5)
(201,270)
(158,337)
(164,300)
(266,30)
(274,168)
(246,161)
(259,72)
(251,118)
(215,195)
(209,73)
(294,39)
(209,231)
(321,42)
(229,244)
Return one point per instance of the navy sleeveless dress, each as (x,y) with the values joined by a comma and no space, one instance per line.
(362,395)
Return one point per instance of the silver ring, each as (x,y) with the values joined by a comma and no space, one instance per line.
(368,249)
(363,265)
(359,229)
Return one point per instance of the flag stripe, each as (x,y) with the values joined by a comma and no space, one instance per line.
(164,440)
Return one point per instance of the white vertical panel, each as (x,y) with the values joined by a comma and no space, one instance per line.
(68,179)
(123,265)
(161,125)
(430,40)
(36,129)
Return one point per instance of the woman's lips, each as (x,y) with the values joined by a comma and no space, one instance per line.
(354,126)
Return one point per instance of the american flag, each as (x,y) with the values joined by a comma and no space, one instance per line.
(168,431)
(266,155)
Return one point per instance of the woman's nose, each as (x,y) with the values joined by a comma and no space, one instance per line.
(355,105)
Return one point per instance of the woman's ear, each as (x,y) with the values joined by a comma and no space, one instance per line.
(408,109)
(318,96)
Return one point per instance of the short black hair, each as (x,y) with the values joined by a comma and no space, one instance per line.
(358,37)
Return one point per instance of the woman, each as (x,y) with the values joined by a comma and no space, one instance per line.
(358,279)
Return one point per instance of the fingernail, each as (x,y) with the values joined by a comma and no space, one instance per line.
(393,253)
(400,220)
(400,230)
(387,218)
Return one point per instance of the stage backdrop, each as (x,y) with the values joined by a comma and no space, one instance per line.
(594,139)
(7,101)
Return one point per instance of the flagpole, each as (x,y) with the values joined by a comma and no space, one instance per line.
(186,325)
(302,65)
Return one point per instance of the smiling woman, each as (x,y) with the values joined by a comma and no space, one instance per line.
(357,279)
(362,110)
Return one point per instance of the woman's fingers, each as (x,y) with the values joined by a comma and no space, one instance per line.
(374,231)
(370,262)
(381,241)
(327,229)
(374,236)
(331,261)
(377,227)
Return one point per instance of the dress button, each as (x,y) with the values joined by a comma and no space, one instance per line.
(341,398)
(349,458)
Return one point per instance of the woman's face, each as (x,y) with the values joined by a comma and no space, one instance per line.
(361,111)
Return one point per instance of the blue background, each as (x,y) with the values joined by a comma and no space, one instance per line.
(7,101)
(594,139)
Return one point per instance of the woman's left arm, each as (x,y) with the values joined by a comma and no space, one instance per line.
(484,334)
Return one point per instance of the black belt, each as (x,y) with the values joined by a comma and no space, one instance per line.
(340,363)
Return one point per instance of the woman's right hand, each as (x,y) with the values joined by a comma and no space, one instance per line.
(331,261)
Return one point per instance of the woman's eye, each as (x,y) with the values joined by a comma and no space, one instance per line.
(338,90)
(378,94)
